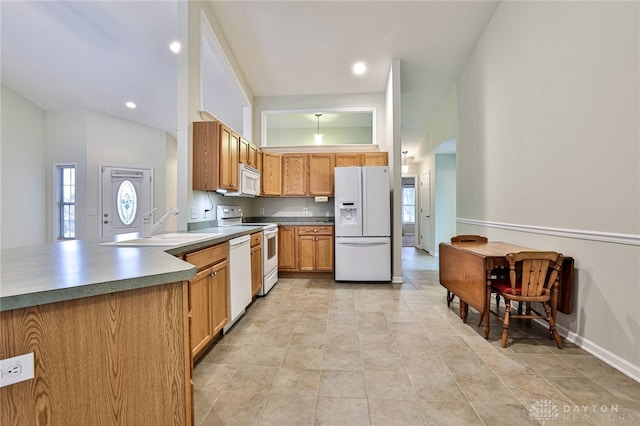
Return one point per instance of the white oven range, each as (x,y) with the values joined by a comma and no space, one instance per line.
(232,216)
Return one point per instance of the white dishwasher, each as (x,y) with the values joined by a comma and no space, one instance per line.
(239,278)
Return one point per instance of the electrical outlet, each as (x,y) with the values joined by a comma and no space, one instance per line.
(16,369)
(194,213)
(305,210)
(204,214)
(261,210)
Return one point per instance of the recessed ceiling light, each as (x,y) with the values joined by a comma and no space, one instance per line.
(175,46)
(130,105)
(359,68)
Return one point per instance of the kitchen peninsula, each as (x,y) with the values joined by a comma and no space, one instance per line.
(109,329)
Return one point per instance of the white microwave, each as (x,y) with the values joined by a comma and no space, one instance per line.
(248,182)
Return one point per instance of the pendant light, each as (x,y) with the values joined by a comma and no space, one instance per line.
(317,138)
(405,168)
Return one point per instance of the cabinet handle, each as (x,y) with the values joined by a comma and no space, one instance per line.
(315,230)
(213,274)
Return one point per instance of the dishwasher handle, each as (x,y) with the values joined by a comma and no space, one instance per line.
(240,240)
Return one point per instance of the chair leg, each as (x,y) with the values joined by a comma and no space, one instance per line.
(552,326)
(528,313)
(505,322)
(450,297)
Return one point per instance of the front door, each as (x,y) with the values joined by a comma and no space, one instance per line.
(425,211)
(126,196)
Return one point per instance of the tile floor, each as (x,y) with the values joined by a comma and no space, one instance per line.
(317,352)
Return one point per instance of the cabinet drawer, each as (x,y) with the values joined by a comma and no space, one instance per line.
(315,230)
(209,256)
(256,239)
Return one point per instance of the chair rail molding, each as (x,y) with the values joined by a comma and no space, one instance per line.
(605,237)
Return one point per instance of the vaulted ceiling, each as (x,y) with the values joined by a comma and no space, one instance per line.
(100,54)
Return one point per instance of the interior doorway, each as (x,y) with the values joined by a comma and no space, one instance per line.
(126,196)
(425,211)
(408,211)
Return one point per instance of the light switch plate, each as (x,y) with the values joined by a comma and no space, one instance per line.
(194,213)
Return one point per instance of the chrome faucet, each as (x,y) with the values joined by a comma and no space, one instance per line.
(149,227)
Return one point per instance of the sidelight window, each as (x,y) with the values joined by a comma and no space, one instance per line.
(66,205)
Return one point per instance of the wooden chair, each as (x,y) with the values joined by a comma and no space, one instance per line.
(533,278)
(465,239)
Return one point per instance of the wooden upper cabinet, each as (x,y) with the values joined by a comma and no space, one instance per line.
(206,154)
(294,174)
(254,156)
(229,150)
(215,156)
(321,174)
(376,159)
(270,176)
(243,156)
(347,159)
(249,154)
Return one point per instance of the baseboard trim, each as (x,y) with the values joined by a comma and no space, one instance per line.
(633,371)
(605,237)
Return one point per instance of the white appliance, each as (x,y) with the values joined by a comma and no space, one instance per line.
(270,258)
(248,182)
(239,278)
(362,224)
(232,216)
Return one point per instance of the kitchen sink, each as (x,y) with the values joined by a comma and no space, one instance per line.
(166,240)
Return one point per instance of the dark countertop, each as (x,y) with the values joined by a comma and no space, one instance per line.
(47,273)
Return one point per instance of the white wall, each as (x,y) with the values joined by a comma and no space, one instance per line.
(444,199)
(24,172)
(392,144)
(548,139)
(442,130)
(34,140)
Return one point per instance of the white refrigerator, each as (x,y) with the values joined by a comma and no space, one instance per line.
(362,224)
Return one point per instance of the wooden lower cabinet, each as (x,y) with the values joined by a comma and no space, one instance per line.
(287,248)
(305,248)
(118,358)
(315,253)
(256,263)
(208,296)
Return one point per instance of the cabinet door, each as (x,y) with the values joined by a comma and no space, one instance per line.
(294,175)
(347,159)
(259,159)
(229,148)
(201,313)
(324,253)
(271,183)
(243,156)
(253,156)
(287,248)
(206,145)
(219,276)
(306,253)
(321,174)
(376,158)
(256,269)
